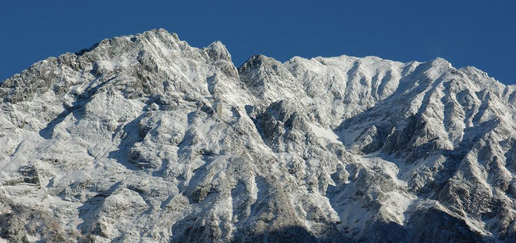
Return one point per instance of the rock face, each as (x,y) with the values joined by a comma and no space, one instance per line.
(146,139)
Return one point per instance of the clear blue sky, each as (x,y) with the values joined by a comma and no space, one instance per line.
(466,33)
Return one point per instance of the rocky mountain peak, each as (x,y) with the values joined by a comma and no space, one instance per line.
(145,138)
(218,51)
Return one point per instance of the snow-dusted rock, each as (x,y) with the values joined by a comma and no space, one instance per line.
(144,138)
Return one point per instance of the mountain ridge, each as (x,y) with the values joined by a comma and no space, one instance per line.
(144,138)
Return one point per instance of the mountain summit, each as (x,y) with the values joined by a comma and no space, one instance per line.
(146,139)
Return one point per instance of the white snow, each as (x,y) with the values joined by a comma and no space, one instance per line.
(325,133)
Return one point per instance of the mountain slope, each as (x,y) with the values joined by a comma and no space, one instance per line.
(144,138)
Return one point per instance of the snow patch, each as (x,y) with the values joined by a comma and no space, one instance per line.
(325,133)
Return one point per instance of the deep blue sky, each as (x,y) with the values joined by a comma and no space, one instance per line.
(466,33)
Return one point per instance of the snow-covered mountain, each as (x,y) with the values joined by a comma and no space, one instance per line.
(146,139)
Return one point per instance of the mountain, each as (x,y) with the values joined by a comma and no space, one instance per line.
(146,139)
